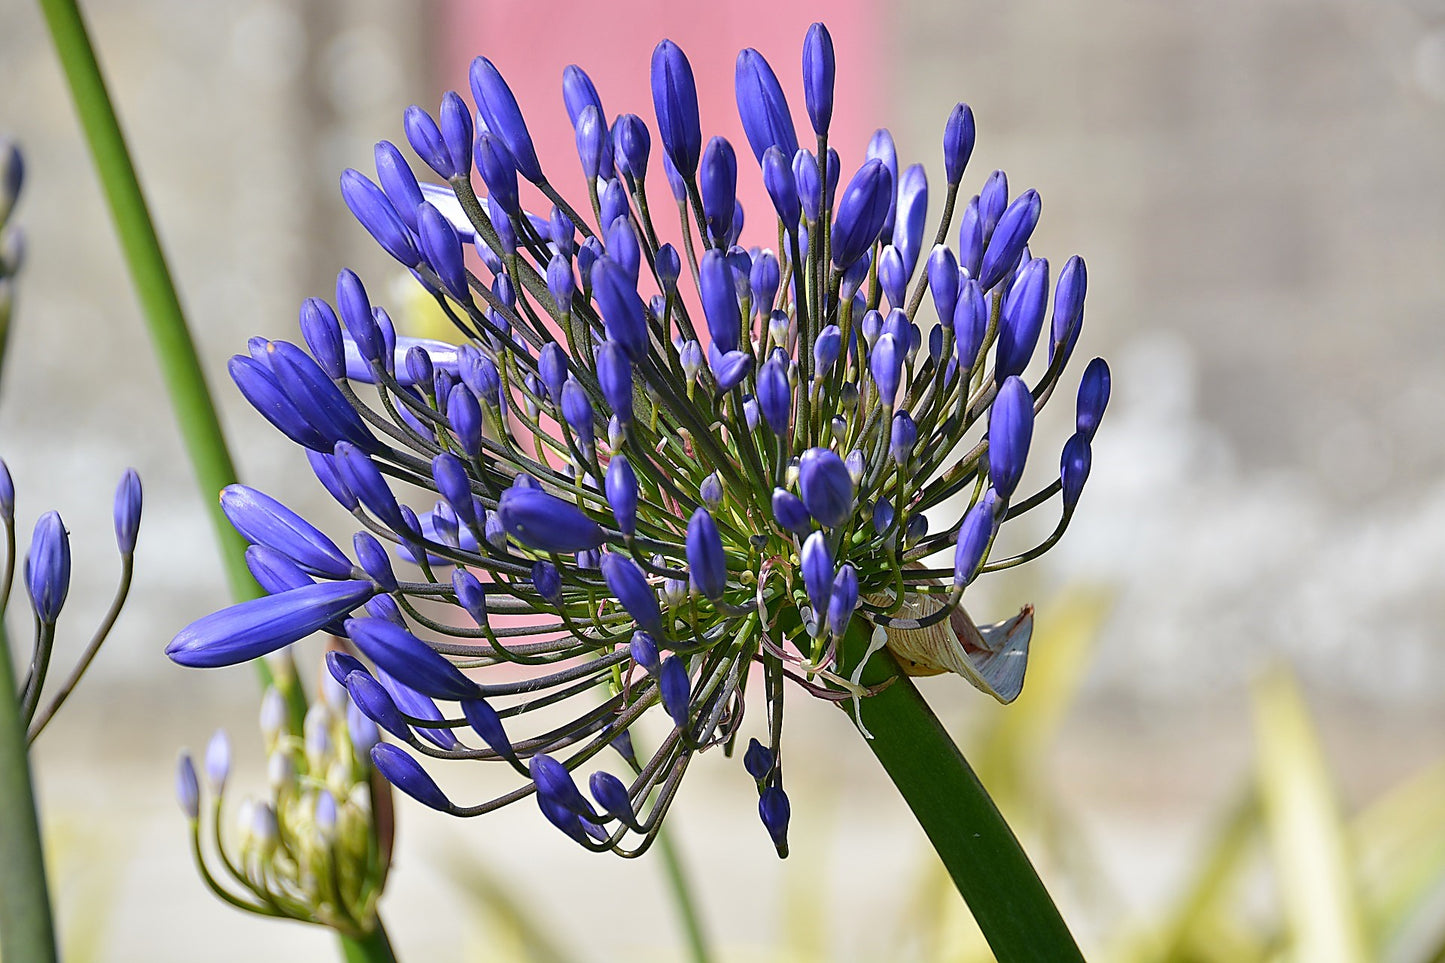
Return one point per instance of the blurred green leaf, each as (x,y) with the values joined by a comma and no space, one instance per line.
(1400,841)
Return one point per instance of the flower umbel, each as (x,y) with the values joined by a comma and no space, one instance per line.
(665,498)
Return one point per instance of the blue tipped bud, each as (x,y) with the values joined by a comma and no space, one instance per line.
(816,562)
(498,109)
(826,487)
(842,600)
(1010,429)
(861,213)
(705,559)
(127,511)
(398,768)
(775,811)
(973,538)
(958,135)
(675,688)
(256,627)
(408,659)
(547,523)
(1074,469)
(1021,319)
(626,581)
(762,106)
(758,760)
(819,67)
(1009,238)
(674,97)
(1093,397)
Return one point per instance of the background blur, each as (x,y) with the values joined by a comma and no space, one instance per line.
(1257,189)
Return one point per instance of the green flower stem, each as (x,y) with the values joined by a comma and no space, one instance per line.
(176,352)
(982,855)
(682,896)
(27,929)
(374,947)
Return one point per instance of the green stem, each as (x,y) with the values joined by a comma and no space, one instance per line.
(988,866)
(176,352)
(682,896)
(374,947)
(27,929)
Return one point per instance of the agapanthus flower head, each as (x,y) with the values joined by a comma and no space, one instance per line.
(671,496)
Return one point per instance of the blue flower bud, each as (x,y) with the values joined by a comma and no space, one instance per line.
(419,367)
(218,761)
(398,768)
(611,795)
(188,789)
(1074,469)
(498,108)
(826,349)
(554,781)
(398,183)
(501,219)
(410,660)
(717,180)
(854,464)
(719,301)
(485,721)
(547,581)
(1010,429)
(355,310)
(376,704)
(620,485)
(973,538)
(479,373)
(883,515)
(782,187)
(902,438)
(455,486)
(614,203)
(577,413)
(764,280)
(374,561)
(711,491)
(499,171)
(706,562)
(970,240)
(274,572)
(7,493)
(367,483)
(644,652)
(1009,238)
(315,396)
(633,143)
(943,282)
(843,600)
(255,627)
(958,134)
(262,520)
(790,512)
(427,140)
(891,277)
(127,511)
(775,395)
(825,486)
(465,418)
(690,357)
(614,376)
(623,249)
(1093,397)
(47,567)
(762,106)
(912,212)
(322,333)
(675,688)
(674,98)
(992,201)
(730,369)
(1021,319)
(593,144)
(861,213)
(371,207)
(623,314)
(758,760)
(886,366)
(442,248)
(774,811)
(470,594)
(805,175)
(456,128)
(669,267)
(881,147)
(970,324)
(675,183)
(547,523)
(819,67)
(552,366)
(816,561)
(1068,305)
(323,465)
(579,93)
(339,665)
(418,706)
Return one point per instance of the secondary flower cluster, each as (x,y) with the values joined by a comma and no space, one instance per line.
(656,464)
(309,850)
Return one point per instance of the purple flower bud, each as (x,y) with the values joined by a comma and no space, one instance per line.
(315,396)
(47,567)
(717,180)
(554,781)
(372,558)
(499,171)
(782,187)
(711,491)
(1022,318)
(274,572)
(366,482)
(1074,469)
(323,465)
(1010,429)
(552,366)
(579,93)
(593,144)
(912,212)
(633,143)
(764,280)
(547,581)
(577,413)
(903,437)
(758,760)
(674,97)
(881,147)
(970,324)
(883,515)
(886,366)
(376,704)
(410,660)
(805,175)
(819,67)
(262,520)
(1093,397)
(1009,238)
(470,595)
(629,584)
(973,537)
(775,395)
(854,464)
(669,267)
(456,128)
(891,277)
(355,310)
(623,313)
(774,811)
(826,349)
(341,665)
(612,796)
(675,182)
(826,487)
(991,202)
(620,485)
(614,203)
(958,134)
(729,368)
(762,106)
(943,282)
(546,523)
(127,511)
(719,301)
(371,207)
(455,486)
(1068,305)
(644,652)
(218,761)
(427,140)
(816,561)
(861,213)
(465,417)
(7,490)
(255,627)
(676,689)
(614,376)
(419,366)
(843,600)
(188,789)
(706,562)
(790,512)
(970,240)
(485,721)
(498,108)
(442,248)
(398,183)
(690,357)
(398,768)
(418,706)
(479,373)
(501,219)
(322,333)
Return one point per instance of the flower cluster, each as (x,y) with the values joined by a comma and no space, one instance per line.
(657,464)
(310,851)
